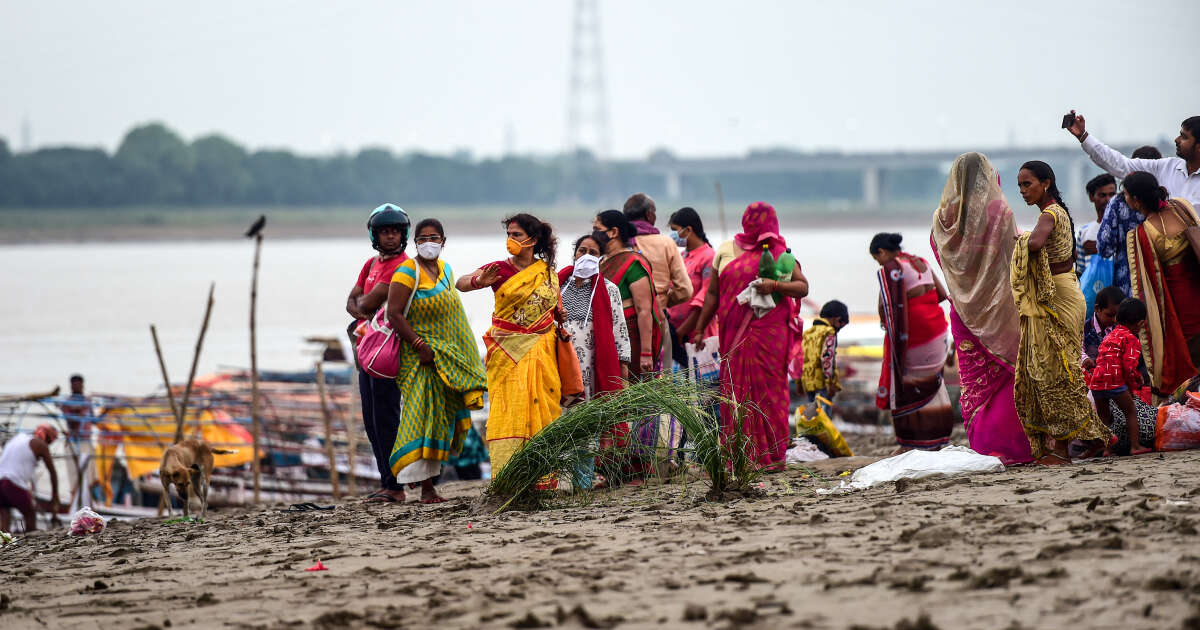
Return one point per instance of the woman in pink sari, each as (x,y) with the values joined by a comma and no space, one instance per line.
(755,347)
(973,232)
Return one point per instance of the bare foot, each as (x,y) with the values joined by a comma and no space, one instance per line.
(1052,459)
(387,496)
(428,494)
(1141,450)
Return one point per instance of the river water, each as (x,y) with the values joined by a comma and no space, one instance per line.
(87,307)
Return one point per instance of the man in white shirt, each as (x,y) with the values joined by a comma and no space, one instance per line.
(1179,175)
(1102,188)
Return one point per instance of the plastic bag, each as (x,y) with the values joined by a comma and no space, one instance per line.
(86,521)
(805,451)
(821,428)
(705,364)
(1178,428)
(1097,276)
(952,460)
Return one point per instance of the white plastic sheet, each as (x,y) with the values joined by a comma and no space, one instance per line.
(950,461)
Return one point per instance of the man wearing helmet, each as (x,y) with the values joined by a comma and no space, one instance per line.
(388,227)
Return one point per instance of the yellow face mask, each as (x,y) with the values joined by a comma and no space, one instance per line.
(515,247)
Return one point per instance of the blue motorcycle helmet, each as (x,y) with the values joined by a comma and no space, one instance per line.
(388,215)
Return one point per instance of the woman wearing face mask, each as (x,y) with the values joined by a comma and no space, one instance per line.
(755,350)
(441,377)
(596,323)
(688,232)
(388,228)
(630,272)
(522,360)
(594,319)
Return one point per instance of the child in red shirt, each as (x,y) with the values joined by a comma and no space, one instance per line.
(1116,374)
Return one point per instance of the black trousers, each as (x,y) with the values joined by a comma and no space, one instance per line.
(381,420)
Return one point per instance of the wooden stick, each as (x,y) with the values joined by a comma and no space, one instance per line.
(162,366)
(351,447)
(720,207)
(328,417)
(187,392)
(255,420)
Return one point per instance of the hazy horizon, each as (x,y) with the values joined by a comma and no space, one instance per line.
(699,79)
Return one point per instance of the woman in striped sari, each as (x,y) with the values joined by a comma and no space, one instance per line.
(440,377)
(522,360)
(915,347)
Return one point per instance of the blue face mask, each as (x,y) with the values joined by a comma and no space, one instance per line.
(679,240)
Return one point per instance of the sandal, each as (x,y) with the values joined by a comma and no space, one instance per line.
(308,507)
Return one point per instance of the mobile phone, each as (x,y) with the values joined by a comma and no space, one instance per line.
(1068,120)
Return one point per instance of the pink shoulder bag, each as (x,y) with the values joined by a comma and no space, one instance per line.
(379,348)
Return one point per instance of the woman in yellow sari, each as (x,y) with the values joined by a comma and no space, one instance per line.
(1050,392)
(522,363)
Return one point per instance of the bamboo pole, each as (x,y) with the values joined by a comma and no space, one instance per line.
(351,448)
(255,420)
(327,416)
(721,208)
(187,392)
(162,366)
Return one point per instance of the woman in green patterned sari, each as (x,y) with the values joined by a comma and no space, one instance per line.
(441,376)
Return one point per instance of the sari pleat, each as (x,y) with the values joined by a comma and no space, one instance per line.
(522,361)
(435,416)
(1050,392)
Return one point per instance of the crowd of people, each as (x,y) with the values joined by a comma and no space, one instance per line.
(1046,374)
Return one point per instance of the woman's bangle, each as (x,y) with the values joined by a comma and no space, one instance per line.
(647,354)
(474,279)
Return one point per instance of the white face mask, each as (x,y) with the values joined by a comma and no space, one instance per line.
(586,266)
(429,251)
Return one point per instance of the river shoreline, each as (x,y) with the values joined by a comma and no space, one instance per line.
(144,224)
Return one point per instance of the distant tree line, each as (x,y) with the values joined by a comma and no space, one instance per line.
(154,165)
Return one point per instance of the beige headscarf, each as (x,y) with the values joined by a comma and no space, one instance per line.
(973,231)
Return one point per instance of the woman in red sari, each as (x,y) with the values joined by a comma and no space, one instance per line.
(914,349)
(1165,274)
(755,348)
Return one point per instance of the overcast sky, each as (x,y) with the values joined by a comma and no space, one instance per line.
(701,78)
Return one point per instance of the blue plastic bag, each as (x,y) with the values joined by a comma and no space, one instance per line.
(1097,276)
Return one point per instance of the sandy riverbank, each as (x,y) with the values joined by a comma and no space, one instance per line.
(1103,544)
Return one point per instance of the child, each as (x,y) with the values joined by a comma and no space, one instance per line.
(820,375)
(1102,321)
(1116,374)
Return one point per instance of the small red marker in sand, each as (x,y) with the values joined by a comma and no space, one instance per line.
(318,566)
(468,524)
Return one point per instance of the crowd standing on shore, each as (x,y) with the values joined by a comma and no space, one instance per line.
(1042,367)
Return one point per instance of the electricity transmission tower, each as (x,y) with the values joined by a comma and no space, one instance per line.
(587,103)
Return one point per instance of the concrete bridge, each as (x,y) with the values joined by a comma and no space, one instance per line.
(1070,164)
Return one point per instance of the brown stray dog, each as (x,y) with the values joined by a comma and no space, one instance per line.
(188,464)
